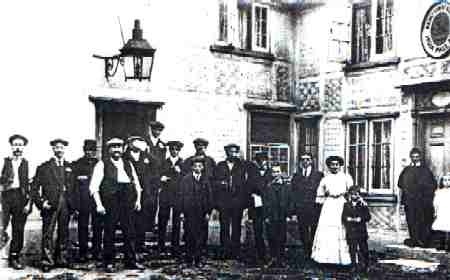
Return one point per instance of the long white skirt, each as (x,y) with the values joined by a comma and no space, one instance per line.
(330,245)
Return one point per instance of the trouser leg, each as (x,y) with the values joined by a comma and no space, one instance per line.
(83,231)
(236,228)
(97,234)
(62,246)
(126,216)
(176,224)
(363,252)
(48,227)
(225,221)
(352,246)
(410,211)
(163,219)
(111,218)
(258,228)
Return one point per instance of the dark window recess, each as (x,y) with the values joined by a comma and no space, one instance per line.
(269,128)
(361,32)
(309,137)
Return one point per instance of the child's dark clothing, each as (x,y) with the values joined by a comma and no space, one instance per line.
(276,203)
(356,232)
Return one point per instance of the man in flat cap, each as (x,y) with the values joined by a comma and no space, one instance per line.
(231,195)
(83,202)
(117,192)
(200,145)
(157,148)
(259,175)
(148,173)
(16,202)
(51,190)
(418,185)
(195,203)
(171,174)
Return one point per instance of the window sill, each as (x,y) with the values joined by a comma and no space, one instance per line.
(387,198)
(349,67)
(230,49)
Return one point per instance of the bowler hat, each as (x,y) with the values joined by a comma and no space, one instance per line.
(176,144)
(18,136)
(330,159)
(90,145)
(59,140)
(157,125)
(201,141)
(261,155)
(114,142)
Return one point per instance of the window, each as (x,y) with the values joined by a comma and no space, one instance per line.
(308,131)
(253,27)
(369,154)
(372,26)
(276,152)
(224,34)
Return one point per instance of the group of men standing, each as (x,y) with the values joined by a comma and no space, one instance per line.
(134,182)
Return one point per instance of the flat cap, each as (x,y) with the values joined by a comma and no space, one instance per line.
(176,144)
(198,159)
(18,136)
(201,141)
(59,140)
(134,138)
(114,142)
(157,125)
(90,145)
(229,146)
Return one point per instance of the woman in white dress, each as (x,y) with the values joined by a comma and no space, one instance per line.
(330,245)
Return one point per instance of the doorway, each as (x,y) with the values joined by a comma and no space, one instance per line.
(437,143)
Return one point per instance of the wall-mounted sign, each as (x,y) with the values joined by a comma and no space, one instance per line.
(435,32)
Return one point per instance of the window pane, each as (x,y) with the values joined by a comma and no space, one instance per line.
(376,166)
(352,161)
(377,132)
(361,32)
(361,166)
(223,21)
(362,133)
(353,132)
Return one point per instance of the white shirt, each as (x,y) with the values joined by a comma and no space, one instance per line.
(154,140)
(307,171)
(334,185)
(197,176)
(135,155)
(174,160)
(122,177)
(15,164)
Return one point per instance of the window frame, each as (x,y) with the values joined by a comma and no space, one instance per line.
(269,147)
(373,56)
(228,40)
(254,45)
(369,155)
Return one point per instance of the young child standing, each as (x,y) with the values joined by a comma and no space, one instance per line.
(441,205)
(276,203)
(355,216)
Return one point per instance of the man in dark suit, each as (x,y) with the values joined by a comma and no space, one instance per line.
(51,189)
(117,193)
(16,202)
(83,202)
(171,174)
(418,185)
(304,189)
(156,147)
(148,172)
(259,175)
(231,195)
(195,200)
(200,145)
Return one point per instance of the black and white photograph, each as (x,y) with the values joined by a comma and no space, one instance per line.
(225,140)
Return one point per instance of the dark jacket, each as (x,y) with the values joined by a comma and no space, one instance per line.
(169,189)
(157,151)
(82,173)
(194,194)
(148,170)
(258,178)
(230,188)
(304,191)
(277,201)
(50,182)
(208,171)
(7,176)
(355,230)
(417,183)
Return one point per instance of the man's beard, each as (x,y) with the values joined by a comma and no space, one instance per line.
(17,153)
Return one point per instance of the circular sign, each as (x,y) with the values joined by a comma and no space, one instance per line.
(435,34)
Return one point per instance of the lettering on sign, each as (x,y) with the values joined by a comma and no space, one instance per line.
(435,32)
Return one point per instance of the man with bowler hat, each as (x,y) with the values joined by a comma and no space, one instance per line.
(231,196)
(16,202)
(51,190)
(117,193)
(304,189)
(200,145)
(171,175)
(84,204)
(148,173)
